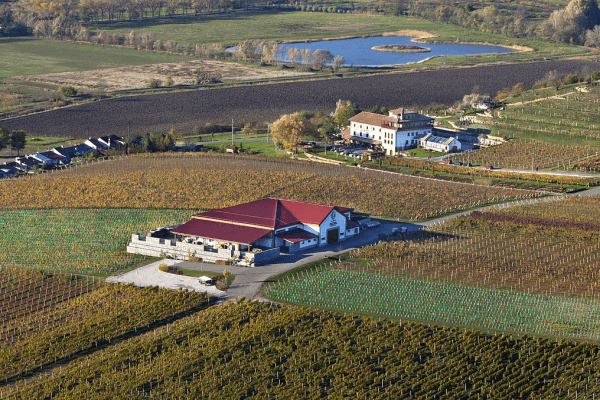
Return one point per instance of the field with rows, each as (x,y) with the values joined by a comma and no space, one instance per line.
(528,268)
(507,249)
(554,129)
(531,154)
(405,298)
(50,317)
(207,181)
(253,350)
(90,241)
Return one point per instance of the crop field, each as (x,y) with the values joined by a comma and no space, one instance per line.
(56,317)
(555,129)
(405,298)
(526,154)
(556,253)
(207,181)
(185,111)
(78,240)
(253,350)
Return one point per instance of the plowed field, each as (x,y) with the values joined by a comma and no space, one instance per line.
(186,110)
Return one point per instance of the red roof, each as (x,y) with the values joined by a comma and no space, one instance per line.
(351,224)
(296,235)
(247,223)
(221,231)
(272,213)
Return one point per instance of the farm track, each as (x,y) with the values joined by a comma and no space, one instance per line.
(184,111)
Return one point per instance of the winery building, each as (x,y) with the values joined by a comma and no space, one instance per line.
(252,233)
(393,133)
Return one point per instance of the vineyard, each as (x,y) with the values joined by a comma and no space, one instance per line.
(78,240)
(528,155)
(558,130)
(495,177)
(54,317)
(552,247)
(527,268)
(252,350)
(202,181)
(405,298)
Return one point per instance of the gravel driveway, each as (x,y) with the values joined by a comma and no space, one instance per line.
(149,275)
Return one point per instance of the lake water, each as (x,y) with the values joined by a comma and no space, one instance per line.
(358,51)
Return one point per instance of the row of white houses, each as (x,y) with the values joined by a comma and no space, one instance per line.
(58,155)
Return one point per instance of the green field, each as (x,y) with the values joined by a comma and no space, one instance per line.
(30,56)
(232,28)
(79,240)
(406,298)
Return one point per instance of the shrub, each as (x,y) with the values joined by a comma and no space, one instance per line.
(226,273)
(153,83)
(169,81)
(221,262)
(194,259)
(163,267)
(67,91)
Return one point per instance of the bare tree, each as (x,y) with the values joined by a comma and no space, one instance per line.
(592,36)
(337,62)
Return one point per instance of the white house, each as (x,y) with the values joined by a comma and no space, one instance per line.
(441,144)
(394,133)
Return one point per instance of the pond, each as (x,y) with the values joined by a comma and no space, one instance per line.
(358,51)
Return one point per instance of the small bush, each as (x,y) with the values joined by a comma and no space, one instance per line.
(221,262)
(67,91)
(163,267)
(194,259)
(169,81)
(154,83)
(226,273)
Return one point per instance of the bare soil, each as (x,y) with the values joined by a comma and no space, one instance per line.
(182,73)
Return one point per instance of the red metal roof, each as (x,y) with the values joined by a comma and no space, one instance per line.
(296,235)
(272,213)
(221,231)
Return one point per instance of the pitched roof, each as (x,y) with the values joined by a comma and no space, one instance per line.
(270,213)
(369,118)
(221,231)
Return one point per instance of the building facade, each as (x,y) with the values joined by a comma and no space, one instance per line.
(398,131)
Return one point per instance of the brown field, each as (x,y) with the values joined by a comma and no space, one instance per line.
(182,73)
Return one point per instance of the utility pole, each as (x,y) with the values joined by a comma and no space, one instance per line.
(268,128)
(232,132)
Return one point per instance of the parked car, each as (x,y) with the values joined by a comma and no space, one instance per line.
(489,167)
(206,281)
(467,164)
(447,162)
(458,163)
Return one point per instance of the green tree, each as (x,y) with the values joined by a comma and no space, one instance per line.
(344,110)
(67,91)
(3,138)
(17,141)
(147,143)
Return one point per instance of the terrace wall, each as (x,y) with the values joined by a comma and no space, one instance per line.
(156,247)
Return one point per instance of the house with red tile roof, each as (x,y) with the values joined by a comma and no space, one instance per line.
(253,233)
